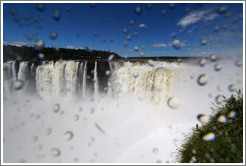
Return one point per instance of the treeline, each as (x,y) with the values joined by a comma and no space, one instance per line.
(25,53)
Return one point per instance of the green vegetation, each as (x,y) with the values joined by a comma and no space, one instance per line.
(227,147)
(25,53)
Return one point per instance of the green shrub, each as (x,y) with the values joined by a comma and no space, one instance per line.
(227,128)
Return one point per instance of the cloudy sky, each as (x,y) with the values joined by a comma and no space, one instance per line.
(135,29)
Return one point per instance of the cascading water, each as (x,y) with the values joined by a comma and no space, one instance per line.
(70,78)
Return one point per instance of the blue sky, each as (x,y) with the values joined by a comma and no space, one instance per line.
(152,29)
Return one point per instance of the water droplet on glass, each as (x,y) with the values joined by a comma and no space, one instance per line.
(173,102)
(68,135)
(216,28)
(141,54)
(224,26)
(111,57)
(151,63)
(76,117)
(209,137)
(129,37)
(232,114)
(202,118)
(40,7)
(202,80)
(222,10)
(238,63)
(135,33)
(88,49)
(155,150)
(222,119)
(194,151)
(34,139)
(163,12)
(217,67)
(232,87)
(111,39)
(202,62)
(48,131)
(107,72)
(131,22)
(125,30)
(149,6)
(39,44)
(193,159)
(219,99)
(176,44)
(41,56)
(18,84)
(53,36)
(203,41)
(136,48)
(55,152)
(56,108)
(125,43)
(213,58)
(171,6)
(56,15)
(138,10)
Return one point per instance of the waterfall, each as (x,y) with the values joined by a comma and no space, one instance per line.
(96,88)
(84,80)
(76,79)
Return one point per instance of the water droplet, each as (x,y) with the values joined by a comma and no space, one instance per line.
(53,36)
(202,80)
(56,108)
(131,22)
(111,57)
(149,6)
(48,131)
(212,58)
(173,102)
(111,39)
(171,6)
(141,54)
(233,148)
(39,44)
(238,63)
(194,151)
(76,117)
(202,118)
(138,10)
(41,56)
(203,41)
(34,139)
(92,5)
(40,7)
(209,136)
(222,119)
(202,62)
(125,30)
(193,159)
(224,26)
(217,67)
(18,84)
(136,48)
(56,15)
(222,10)
(68,135)
(176,44)
(151,63)
(219,99)
(232,114)
(232,87)
(88,49)
(107,72)
(125,43)
(163,12)
(216,28)
(158,161)
(155,150)
(55,152)
(129,37)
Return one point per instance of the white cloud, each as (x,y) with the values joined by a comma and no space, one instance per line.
(159,45)
(196,16)
(18,44)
